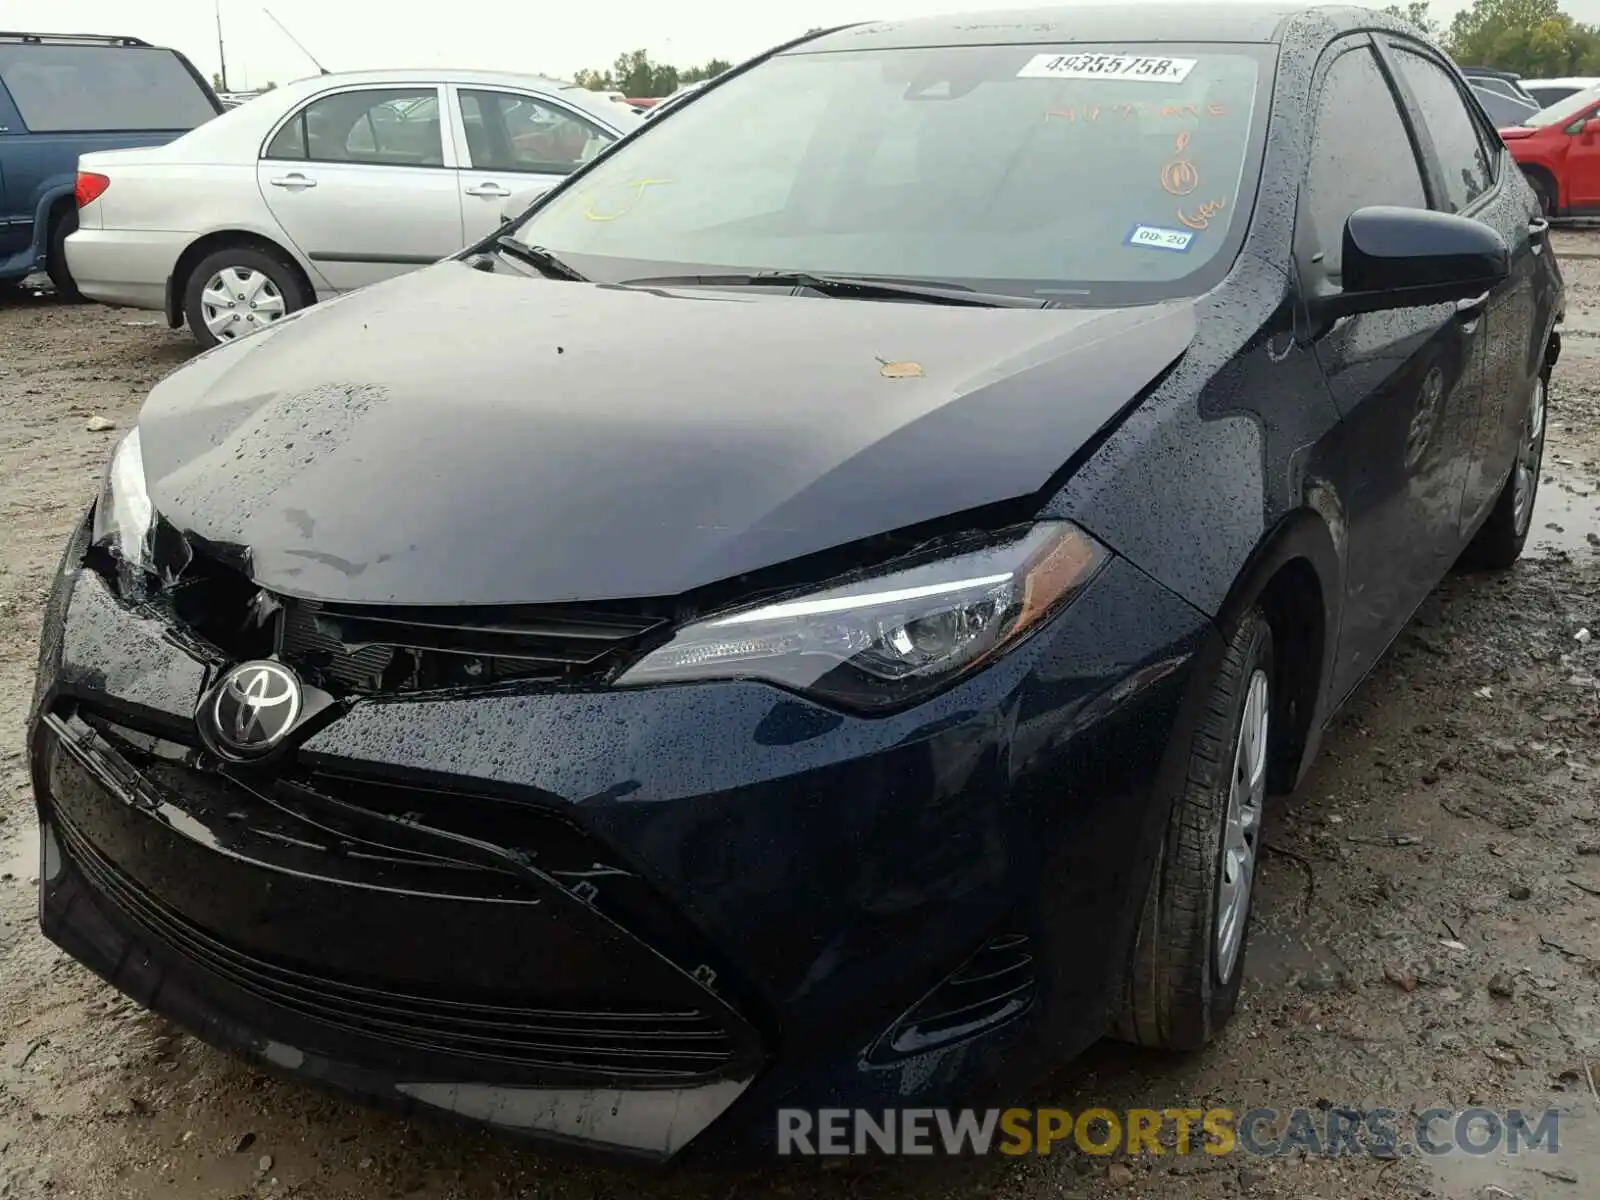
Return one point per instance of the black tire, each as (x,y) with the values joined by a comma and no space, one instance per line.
(62,226)
(1175,994)
(1544,188)
(279,271)
(1500,540)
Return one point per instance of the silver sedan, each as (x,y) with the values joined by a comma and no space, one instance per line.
(322,186)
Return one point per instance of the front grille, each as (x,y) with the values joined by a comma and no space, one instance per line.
(389,649)
(554,846)
(367,649)
(653,1046)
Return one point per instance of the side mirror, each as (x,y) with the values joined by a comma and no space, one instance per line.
(520,202)
(1407,257)
(1590,128)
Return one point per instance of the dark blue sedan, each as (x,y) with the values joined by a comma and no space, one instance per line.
(812,612)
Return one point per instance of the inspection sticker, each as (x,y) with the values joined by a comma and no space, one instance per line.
(1134,68)
(1160,239)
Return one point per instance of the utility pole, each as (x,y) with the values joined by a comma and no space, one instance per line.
(222,57)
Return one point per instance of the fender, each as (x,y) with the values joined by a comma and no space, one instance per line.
(1314,535)
(276,236)
(53,192)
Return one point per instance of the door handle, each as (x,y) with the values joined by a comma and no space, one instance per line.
(1538,233)
(488,189)
(1470,312)
(293,180)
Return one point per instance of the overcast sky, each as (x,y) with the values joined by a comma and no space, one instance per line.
(543,36)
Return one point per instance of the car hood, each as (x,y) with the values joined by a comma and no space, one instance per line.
(461,437)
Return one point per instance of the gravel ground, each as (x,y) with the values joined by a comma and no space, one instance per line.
(1428,931)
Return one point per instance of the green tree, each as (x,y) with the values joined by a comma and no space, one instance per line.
(636,75)
(633,74)
(595,81)
(1534,38)
(706,70)
(1418,13)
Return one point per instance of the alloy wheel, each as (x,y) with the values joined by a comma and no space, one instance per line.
(238,301)
(1241,841)
(1530,454)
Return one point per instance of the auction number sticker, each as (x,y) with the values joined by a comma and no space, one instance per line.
(1136,68)
(1157,238)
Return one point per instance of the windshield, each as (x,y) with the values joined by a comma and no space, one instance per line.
(102,89)
(1563,111)
(1051,171)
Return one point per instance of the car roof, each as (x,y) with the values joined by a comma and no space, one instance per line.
(74,39)
(594,103)
(248,123)
(1230,21)
(313,83)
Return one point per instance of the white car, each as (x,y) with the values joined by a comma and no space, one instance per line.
(321,186)
(681,94)
(1554,91)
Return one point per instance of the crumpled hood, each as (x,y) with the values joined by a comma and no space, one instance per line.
(460,437)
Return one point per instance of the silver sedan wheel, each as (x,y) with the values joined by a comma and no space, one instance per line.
(1241,839)
(238,301)
(1530,453)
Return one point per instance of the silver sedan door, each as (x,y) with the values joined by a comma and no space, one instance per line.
(509,142)
(363,181)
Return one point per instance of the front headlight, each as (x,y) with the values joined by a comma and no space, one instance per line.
(884,639)
(124,519)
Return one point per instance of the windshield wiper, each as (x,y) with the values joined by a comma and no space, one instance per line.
(848,285)
(539,259)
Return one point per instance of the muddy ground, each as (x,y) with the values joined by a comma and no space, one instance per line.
(1428,933)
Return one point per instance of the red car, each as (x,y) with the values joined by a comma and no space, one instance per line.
(1558,149)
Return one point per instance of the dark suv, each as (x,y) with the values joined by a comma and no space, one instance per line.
(62,95)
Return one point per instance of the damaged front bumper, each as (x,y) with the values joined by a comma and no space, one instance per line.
(634,920)
(434,1041)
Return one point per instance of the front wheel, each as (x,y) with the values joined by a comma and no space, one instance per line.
(237,291)
(1188,957)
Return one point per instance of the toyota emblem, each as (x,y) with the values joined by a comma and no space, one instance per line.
(254,707)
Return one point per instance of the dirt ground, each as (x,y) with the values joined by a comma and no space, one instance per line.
(1428,932)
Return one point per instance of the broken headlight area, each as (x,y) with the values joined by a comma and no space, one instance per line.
(147,560)
(128,542)
(889,638)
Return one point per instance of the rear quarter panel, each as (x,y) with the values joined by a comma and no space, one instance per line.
(40,169)
(191,198)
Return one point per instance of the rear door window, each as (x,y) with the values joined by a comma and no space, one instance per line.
(102,89)
(1460,144)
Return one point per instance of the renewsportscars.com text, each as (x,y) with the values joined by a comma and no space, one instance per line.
(1265,1132)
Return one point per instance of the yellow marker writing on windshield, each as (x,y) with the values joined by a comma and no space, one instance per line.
(639,186)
